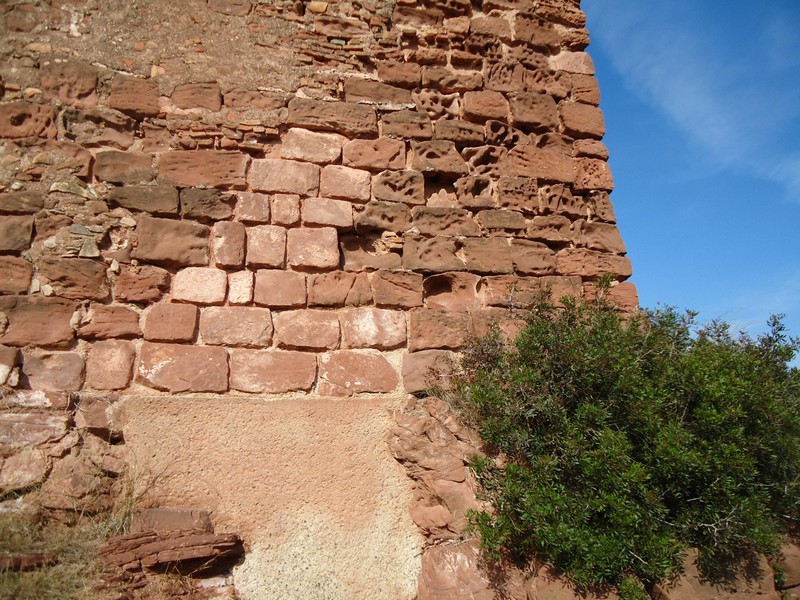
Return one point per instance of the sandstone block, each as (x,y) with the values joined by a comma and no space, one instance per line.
(272,371)
(104,322)
(348,372)
(312,146)
(536,111)
(25,119)
(508,322)
(497,27)
(206,205)
(110,365)
(344,182)
(376,155)
(450,81)
(452,292)
(444,221)
(623,295)
(590,149)
(169,242)
(604,237)
(36,321)
(170,519)
(15,275)
(236,326)
(21,203)
(541,163)
(141,284)
(228,239)
(399,186)
(314,248)
(135,97)
(129,168)
(31,429)
(53,371)
(407,124)
(581,120)
(234,8)
(585,88)
(203,168)
(523,292)
(240,287)
(399,73)
(280,289)
(397,289)
(435,255)
(369,327)
(286,176)
(384,216)
(285,209)
(70,82)
(253,208)
(461,133)
(324,211)
(369,252)
(487,255)
(266,246)
(537,33)
(425,369)
(533,258)
(342,117)
(367,90)
(307,330)
(176,368)
(438,157)
(200,285)
(15,233)
(8,361)
(198,95)
(75,278)
(437,329)
(593,174)
(153,199)
(481,106)
(166,322)
(573,62)
(340,27)
(339,288)
(23,470)
(552,228)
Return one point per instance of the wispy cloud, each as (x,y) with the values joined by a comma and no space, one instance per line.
(734,92)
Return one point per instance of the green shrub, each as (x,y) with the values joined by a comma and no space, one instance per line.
(616,442)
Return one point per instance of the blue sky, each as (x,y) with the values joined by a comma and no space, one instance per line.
(702,107)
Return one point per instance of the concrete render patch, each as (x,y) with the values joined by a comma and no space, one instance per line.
(337,528)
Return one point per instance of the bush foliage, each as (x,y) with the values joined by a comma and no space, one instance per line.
(616,442)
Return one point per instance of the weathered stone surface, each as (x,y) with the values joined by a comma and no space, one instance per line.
(141,284)
(200,168)
(236,326)
(285,209)
(438,157)
(369,252)
(76,484)
(533,258)
(135,97)
(170,519)
(53,371)
(603,236)
(240,287)
(23,470)
(266,246)
(407,124)
(552,228)
(234,8)
(198,95)
(340,27)
(404,74)
(272,371)
(585,88)
(622,295)
(452,571)
(573,62)
(437,329)
(541,163)
(286,176)
(8,361)
(109,365)
(312,146)
(103,321)
(177,368)
(481,106)
(452,292)
(593,174)
(348,372)
(70,82)
(25,119)
(342,117)
(339,288)
(369,327)
(19,429)
(581,120)
(384,216)
(156,199)
(167,322)
(487,255)
(592,264)
(397,289)
(15,275)
(325,211)
(200,285)
(21,203)
(280,289)
(37,321)
(399,186)
(206,205)
(253,208)
(536,111)
(436,254)
(15,233)
(508,322)
(313,248)
(345,182)
(376,155)
(444,221)
(524,292)
(461,133)
(228,239)
(171,243)
(422,370)
(359,90)
(127,168)
(307,330)
(450,81)
(75,278)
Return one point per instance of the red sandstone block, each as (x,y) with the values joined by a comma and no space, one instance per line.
(348,372)
(485,105)
(204,168)
(585,88)
(198,95)
(166,322)
(342,117)
(104,322)
(272,371)
(70,82)
(452,292)
(451,81)
(407,124)
(266,246)
(315,248)
(593,174)
(537,33)
(135,97)
(129,168)
(110,365)
(536,111)
(426,369)
(552,228)
(369,327)
(154,199)
(432,221)
(253,208)
(399,73)
(581,120)
(15,275)
(524,292)
(307,330)
(359,254)
(573,62)
(437,329)
(339,288)
(240,287)
(508,322)
(438,157)
(228,240)
(312,146)
(285,176)
(25,119)
(495,27)
(487,255)
(280,289)
(461,133)
(176,368)
(623,295)
(541,163)
(170,242)
(435,255)
(15,233)
(141,284)
(236,326)
(399,186)
(324,211)
(383,216)
(533,258)
(604,237)
(207,205)
(375,155)
(75,278)
(200,285)
(285,209)
(357,89)
(53,371)
(344,182)
(397,289)
(21,203)
(589,149)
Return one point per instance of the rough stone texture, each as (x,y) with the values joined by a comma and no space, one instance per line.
(103,321)
(109,365)
(19,429)
(142,284)
(437,329)
(272,371)
(236,326)
(167,242)
(23,470)
(200,285)
(312,146)
(177,368)
(187,168)
(307,330)
(171,323)
(315,248)
(423,370)
(348,372)
(75,278)
(373,328)
(339,288)
(286,176)
(36,320)
(15,233)
(280,289)
(266,246)
(345,182)
(15,275)
(54,371)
